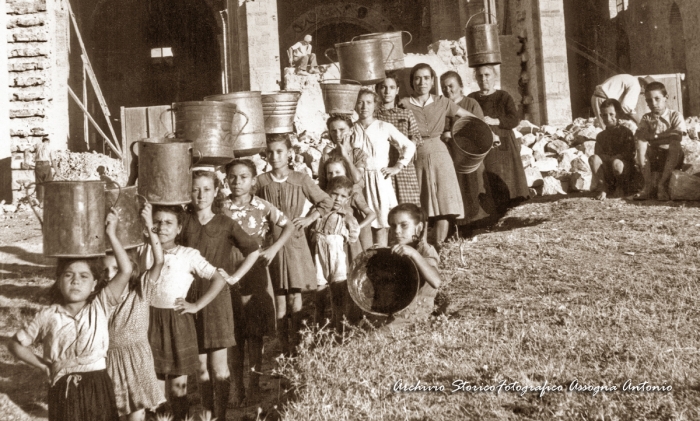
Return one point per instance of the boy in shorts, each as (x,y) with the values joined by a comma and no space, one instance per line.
(614,152)
(659,143)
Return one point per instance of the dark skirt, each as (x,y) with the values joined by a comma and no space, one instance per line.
(173,341)
(83,396)
(253,302)
(214,323)
(504,176)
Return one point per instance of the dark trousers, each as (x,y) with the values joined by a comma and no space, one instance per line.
(42,174)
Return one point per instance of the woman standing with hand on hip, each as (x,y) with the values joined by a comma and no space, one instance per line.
(504,175)
(440,194)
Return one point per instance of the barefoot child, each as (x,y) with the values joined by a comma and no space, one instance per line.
(292,270)
(73,332)
(129,358)
(330,235)
(254,299)
(614,152)
(406,232)
(171,330)
(215,236)
(659,143)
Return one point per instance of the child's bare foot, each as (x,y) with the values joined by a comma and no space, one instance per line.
(601,196)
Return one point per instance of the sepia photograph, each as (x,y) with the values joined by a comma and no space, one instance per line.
(415,210)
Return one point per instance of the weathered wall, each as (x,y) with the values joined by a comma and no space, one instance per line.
(37,36)
(5,143)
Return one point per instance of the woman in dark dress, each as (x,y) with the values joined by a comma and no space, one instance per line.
(504,175)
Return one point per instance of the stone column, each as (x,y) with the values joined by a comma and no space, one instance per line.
(554,65)
(254,63)
(5,145)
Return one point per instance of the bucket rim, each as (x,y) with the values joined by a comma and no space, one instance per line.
(359,41)
(75,182)
(241,94)
(207,103)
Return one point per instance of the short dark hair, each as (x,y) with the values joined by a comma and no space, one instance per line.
(412,210)
(345,118)
(449,74)
(96,269)
(174,209)
(279,137)
(340,182)
(656,86)
(369,91)
(246,163)
(612,102)
(421,66)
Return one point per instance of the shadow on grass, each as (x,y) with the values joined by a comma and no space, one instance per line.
(24,385)
(19,271)
(34,293)
(667,203)
(28,256)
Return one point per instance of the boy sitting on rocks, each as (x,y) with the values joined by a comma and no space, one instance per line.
(659,143)
(613,160)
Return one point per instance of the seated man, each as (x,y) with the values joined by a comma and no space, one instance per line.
(659,143)
(614,152)
(300,55)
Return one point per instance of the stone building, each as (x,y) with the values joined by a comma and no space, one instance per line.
(155,52)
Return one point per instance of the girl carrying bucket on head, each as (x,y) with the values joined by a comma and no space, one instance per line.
(254,300)
(73,332)
(405,182)
(406,233)
(292,270)
(129,358)
(215,236)
(172,331)
(375,137)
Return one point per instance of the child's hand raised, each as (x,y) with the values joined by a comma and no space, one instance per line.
(111,222)
(147,215)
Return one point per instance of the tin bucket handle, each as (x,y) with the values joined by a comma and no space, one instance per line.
(168,131)
(28,196)
(242,127)
(325,53)
(119,192)
(386,59)
(132,148)
(483,12)
(199,157)
(410,38)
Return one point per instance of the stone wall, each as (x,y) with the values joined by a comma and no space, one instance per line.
(37,72)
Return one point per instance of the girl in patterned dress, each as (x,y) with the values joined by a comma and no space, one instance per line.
(129,358)
(292,270)
(215,236)
(375,137)
(254,300)
(73,332)
(405,182)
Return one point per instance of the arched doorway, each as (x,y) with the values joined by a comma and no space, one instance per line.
(677,38)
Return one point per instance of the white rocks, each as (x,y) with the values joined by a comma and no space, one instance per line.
(547,164)
(528,139)
(524,150)
(539,145)
(528,160)
(551,186)
(533,176)
(557,146)
(580,164)
(587,147)
(580,181)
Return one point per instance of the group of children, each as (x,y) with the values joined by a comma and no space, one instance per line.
(124,331)
(656,144)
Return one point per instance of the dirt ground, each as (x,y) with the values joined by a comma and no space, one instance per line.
(561,287)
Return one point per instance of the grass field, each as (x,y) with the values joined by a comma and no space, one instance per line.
(561,291)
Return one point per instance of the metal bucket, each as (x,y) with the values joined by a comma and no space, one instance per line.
(208,125)
(165,173)
(482,44)
(74,218)
(395,55)
(249,125)
(340,98)
(472,139)
(130,227)
(383,283)
(362,60)
(279,109)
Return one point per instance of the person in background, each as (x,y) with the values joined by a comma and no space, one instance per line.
(624,88)
(43,167)
(405,182)
(375,137)
(74,334)
(441,199)
(504,176)
(302,58)
(659,138)
(613,160)
(330,234)
(471,185)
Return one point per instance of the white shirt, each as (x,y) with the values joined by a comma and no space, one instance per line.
(301,50)
(624,88)
(417,103)
(376,142)
(180,265)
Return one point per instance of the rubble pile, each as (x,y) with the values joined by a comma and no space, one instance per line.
(72,166)
(556,159)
